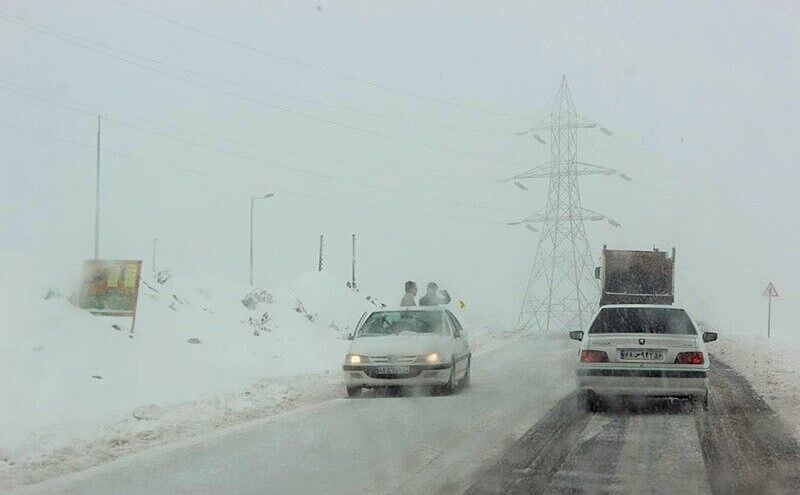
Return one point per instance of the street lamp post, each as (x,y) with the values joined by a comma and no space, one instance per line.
(252,202)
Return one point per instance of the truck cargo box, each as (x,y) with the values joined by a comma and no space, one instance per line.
(636,277)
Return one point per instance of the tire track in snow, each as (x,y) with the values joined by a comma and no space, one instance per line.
(739,446)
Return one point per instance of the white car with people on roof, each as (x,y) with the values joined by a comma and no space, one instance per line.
(411,346)
(643,350)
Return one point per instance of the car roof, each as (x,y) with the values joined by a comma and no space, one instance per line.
(410,308)
(655,306)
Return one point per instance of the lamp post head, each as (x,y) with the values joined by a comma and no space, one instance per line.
(268,195)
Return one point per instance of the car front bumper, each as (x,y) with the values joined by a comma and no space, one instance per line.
(419,375)
(654,382)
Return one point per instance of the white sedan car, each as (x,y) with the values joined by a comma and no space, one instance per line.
(408,347)
(642,350)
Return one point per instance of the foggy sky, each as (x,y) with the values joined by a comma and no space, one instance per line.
(701,99)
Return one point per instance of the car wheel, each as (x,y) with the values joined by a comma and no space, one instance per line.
(699,403)
(466,380)
(588,402)
(353,391)
(450,386)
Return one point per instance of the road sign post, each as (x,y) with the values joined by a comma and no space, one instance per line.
(770,292)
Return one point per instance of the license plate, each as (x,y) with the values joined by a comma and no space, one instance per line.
(641,355)
(392,370)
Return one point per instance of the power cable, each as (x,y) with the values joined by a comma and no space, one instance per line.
(25,91)
(317,68)
(302,170)
(247,183)
(83,44)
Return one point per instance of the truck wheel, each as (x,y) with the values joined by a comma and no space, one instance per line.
(354,391)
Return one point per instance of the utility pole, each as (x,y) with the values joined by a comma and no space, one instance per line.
(353,280)
(769,316)
(155,270)
(770,292)
(252,202)
(320,263)
(97,197)
(561,285)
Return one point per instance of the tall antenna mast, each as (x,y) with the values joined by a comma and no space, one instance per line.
(561,287)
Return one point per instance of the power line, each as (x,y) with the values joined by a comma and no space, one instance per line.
(298,169)
(25,91)
(158,164)
(267,91)
(83,44)
(317,68)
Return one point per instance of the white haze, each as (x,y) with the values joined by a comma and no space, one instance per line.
(702,100)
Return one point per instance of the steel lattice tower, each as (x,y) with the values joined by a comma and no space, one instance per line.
(562,291)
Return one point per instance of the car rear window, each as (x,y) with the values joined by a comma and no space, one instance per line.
(643,320)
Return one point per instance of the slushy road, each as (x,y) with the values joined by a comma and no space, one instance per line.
(409,444)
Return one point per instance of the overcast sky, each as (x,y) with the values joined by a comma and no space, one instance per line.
(702,100)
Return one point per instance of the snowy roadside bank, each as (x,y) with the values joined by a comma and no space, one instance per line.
(206,354)
(771,366)
(56,453)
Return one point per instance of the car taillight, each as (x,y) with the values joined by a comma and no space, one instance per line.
(689,358)
(594,356)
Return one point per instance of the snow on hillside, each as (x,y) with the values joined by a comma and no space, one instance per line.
(80,390)
(195,356)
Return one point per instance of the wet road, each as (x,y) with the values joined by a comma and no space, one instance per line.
(502,435)
(738,446)
(413,444)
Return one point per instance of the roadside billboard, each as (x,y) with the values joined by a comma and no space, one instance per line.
(110,287)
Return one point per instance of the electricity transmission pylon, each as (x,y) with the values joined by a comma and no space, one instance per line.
(562,291)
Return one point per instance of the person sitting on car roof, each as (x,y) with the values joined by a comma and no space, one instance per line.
(434,296)
(409,299)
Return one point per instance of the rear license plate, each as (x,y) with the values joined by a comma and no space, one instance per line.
(392,370)
(641,355)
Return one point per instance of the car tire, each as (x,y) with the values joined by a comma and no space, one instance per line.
(354,391)
(588,402)
(700,403)
(466,380)
(449,387)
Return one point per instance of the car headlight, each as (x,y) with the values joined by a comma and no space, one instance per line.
(355,359)
(432,358)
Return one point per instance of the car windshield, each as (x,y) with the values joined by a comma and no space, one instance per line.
(403,323)
(643,320)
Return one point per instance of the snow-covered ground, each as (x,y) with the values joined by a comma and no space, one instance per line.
(79,390)
(771,366)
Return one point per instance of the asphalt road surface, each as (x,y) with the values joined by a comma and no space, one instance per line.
(739,446)
(501,435)
(417,444)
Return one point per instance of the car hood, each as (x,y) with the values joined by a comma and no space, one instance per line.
(399,345)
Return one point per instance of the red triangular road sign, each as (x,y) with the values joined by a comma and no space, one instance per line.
(770,291)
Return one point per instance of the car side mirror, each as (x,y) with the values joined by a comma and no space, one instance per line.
(710,336)
(350,336)
(576,335)
(597,272)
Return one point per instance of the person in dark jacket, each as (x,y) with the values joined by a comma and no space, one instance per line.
(434,296)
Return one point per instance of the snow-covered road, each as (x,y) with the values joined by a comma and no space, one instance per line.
(515,430)
(738,446)
(372,445)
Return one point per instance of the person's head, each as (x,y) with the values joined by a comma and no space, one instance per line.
(411,287)
(432,288)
